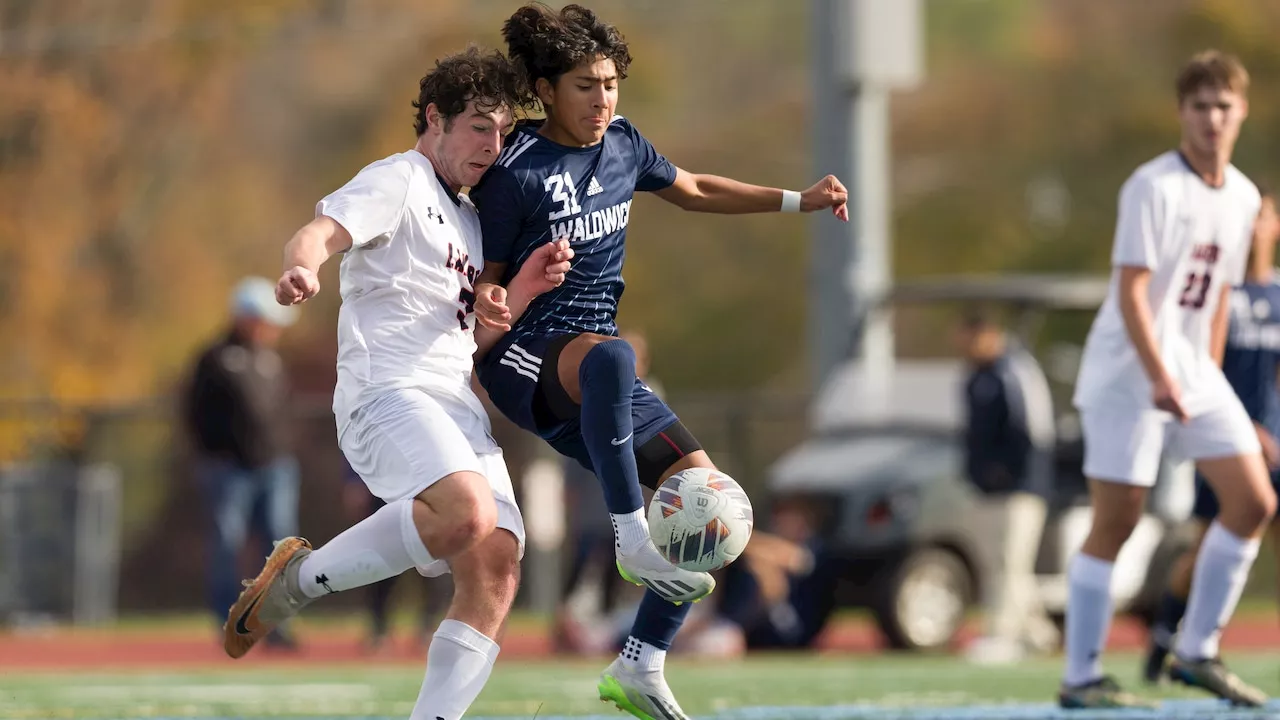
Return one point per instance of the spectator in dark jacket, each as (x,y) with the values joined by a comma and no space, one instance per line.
(236,412)
(1009,442)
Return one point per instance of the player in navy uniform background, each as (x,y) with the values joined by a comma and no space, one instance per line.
(1250,362)
(562,373)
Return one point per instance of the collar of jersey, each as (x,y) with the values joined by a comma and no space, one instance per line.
(1186,163)
(444,185)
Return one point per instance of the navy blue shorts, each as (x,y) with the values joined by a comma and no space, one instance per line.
(510,373)
(1206,505)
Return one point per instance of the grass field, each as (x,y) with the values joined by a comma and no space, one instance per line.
(765,688)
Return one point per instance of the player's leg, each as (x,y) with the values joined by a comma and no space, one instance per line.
(412,454)
(1122,454)
(1173,604)
(597,374)
(1225,446)
(485,577)
(465,646)
(635,681)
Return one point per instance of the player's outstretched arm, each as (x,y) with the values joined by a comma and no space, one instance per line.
(1136,311)
(496,307)
(305,252)
(725,196)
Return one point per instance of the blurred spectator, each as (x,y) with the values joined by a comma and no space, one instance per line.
(236,412)
(593,589)
(1009,439)
(778,596)
(359,504)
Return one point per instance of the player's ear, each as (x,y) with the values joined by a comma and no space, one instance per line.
(545,90)
(434,118)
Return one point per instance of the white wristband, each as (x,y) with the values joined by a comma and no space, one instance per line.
(790,201)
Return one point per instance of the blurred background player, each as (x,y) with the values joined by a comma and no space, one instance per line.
(237,416)
(1150,381)
(407,419)
(1250,363)
(1009,443)
(561,373)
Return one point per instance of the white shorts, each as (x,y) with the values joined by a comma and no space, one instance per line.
(409,438)
(1124,443)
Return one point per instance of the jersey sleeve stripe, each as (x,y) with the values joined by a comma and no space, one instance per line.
(518,150)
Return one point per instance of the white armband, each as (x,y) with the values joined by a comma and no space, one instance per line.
(790,201)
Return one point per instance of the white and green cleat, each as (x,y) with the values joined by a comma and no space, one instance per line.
(642,694)
(648,568)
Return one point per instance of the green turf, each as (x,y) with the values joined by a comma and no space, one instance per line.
(522,689)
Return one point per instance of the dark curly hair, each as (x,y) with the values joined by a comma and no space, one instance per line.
(548,44)
(490,79)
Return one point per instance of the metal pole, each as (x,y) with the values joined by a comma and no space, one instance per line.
(850,262)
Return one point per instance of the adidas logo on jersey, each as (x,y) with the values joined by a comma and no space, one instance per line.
(594,187)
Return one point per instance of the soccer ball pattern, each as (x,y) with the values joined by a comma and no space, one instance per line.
(700,519)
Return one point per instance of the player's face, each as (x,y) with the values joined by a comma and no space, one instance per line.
(583,99)
(1211,118)
(471,144)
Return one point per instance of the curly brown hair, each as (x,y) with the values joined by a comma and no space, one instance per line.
(548,44)
(490,79)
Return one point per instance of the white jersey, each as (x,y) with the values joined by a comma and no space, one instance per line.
(406,283)
(1195,240)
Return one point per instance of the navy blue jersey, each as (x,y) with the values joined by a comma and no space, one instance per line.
(1253,351)
(539,191)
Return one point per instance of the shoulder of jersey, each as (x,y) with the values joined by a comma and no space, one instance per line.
(400,162)
(1244,186)
(1161,166)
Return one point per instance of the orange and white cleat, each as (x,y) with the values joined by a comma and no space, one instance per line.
(267,600)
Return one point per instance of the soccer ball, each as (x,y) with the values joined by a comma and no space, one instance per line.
(700,519)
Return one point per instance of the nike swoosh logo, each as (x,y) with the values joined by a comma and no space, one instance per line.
(615,442)
(240,626)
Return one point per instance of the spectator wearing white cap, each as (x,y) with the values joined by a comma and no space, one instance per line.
(236,413)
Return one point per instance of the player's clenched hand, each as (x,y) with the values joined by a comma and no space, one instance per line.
(828,192)
(491,306)
(297,284)
(546,267)
(1167,396)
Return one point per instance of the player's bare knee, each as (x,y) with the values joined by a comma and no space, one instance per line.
(491,570)
(463,513)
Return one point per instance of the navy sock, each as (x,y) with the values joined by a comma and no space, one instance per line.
(1168,614)
(607,375)
(657,620)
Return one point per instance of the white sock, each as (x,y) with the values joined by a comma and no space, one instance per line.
(630,530)
(643,657)
(376,548)
(1089,612)
(458,665)
(1222,568)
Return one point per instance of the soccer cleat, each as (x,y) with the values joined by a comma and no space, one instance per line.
(642,694)
(648,568)
(1211,675)
(267,600)
(1101,693)
(1157,653)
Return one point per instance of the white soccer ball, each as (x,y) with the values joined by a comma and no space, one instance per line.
(700,519)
